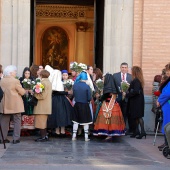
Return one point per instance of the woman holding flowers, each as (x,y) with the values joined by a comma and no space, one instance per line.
(42,91)
(27,117)
(109,120)
(68,83)
(135,105)
(98,86)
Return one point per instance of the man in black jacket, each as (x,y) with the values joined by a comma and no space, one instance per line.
(119,77)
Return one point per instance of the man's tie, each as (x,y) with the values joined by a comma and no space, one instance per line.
(123,77)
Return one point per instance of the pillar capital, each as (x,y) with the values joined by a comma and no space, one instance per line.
(82,26)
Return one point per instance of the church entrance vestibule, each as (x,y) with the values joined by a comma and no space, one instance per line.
(66,31)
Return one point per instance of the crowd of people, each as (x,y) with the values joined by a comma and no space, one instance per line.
(105,105)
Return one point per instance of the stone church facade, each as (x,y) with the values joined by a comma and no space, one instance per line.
(102,33)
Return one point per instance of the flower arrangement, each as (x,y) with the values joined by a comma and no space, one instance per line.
(73,66)
(28,84)
(124,86)
(78,67)
(38,87)
(68,84)
(81,67)
(100,84)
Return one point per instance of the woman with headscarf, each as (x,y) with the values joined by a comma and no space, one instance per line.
(109,120)
(61,107)
(82,113)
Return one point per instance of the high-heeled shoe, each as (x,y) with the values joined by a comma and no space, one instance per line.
(141,136)
(134,135)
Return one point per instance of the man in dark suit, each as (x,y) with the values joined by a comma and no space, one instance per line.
(119,77)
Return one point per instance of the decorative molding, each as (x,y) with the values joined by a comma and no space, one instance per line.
(82,26)
(62,11)
(67,2)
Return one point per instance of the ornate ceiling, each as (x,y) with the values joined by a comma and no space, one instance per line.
(68,2)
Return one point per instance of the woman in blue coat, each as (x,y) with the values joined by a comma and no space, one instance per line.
(164,102)
(82,113)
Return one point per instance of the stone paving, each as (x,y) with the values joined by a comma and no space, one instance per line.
(62,153)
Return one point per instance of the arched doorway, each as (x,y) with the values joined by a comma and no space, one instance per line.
(55,48)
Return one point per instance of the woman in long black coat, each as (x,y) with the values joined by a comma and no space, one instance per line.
(136,101)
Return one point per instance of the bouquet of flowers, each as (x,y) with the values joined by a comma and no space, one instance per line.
(28,84)
(38,87)
(78,67)
(68,84)
(124,87)
(73,66)
(81,67)
(100,85)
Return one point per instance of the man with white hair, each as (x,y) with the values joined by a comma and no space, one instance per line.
(11,104)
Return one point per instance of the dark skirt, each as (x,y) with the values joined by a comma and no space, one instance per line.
(27,107)
(82,114)
(62,112)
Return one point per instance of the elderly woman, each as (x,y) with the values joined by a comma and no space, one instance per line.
(43,108)
(12,103)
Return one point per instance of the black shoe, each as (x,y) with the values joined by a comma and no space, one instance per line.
(141,136)
(6,141)
(63,135)
(16,141)
(57,135)
(134,135)
(44,139)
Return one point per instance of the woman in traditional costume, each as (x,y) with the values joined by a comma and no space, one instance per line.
(82,113)
(109,120)
(27,116)
(61,106)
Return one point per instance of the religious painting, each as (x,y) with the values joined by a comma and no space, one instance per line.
(55,48)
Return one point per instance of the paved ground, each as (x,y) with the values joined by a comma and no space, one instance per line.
(121,153)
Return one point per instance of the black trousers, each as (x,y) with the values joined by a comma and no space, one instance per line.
(127,117)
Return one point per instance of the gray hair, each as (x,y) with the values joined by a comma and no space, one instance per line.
(9,69)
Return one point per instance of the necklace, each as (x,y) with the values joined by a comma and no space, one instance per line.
(107,110)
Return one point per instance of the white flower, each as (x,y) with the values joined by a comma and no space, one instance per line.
(73,64)
(25,80)
(33,82)
(65,81)
(28,82)
(98,80)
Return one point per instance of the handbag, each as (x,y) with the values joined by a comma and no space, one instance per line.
(33,101)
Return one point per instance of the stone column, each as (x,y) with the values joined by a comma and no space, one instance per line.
(118,34)
(15,33)
(81,42)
